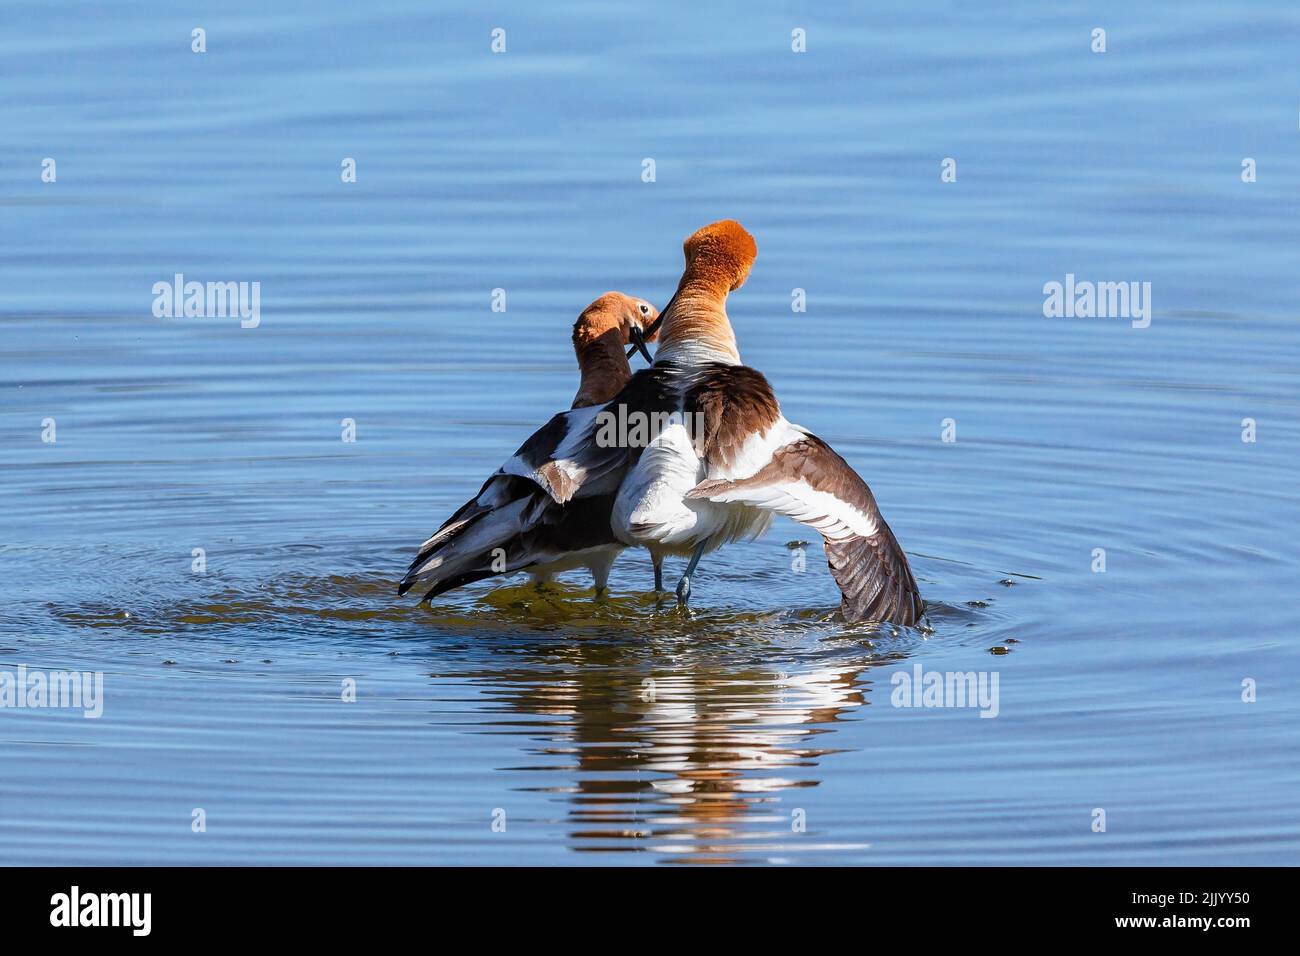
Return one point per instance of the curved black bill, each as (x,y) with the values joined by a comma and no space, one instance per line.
(638,343)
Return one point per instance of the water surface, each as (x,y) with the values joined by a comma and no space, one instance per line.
(758,727)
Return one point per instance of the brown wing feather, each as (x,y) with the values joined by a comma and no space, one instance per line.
(876,582)
(735,402)
(875,579)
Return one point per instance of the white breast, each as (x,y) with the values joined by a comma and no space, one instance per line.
(651,508)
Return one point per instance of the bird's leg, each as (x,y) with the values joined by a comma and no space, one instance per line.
(600,575)
(684,585)
(658,560)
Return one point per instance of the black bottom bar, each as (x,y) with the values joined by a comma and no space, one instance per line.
(333,906)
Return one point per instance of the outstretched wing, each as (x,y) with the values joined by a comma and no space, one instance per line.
(806,480)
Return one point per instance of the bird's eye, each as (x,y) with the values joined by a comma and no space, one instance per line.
(645,309)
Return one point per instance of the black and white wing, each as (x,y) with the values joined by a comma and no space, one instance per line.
(584,452)
(518,519)
(806,480)
(552,497)
(510,525)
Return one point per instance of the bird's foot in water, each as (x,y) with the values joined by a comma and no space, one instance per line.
(684,591)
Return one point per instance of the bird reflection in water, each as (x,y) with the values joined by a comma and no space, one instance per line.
(680,753)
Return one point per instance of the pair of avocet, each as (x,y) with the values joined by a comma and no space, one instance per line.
(567,500)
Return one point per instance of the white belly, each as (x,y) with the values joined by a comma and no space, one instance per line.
(596,560)
(651,508)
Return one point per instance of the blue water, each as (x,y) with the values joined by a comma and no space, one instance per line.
(768,733)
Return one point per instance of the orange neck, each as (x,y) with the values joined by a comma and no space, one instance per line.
(695,326)
(602,363)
